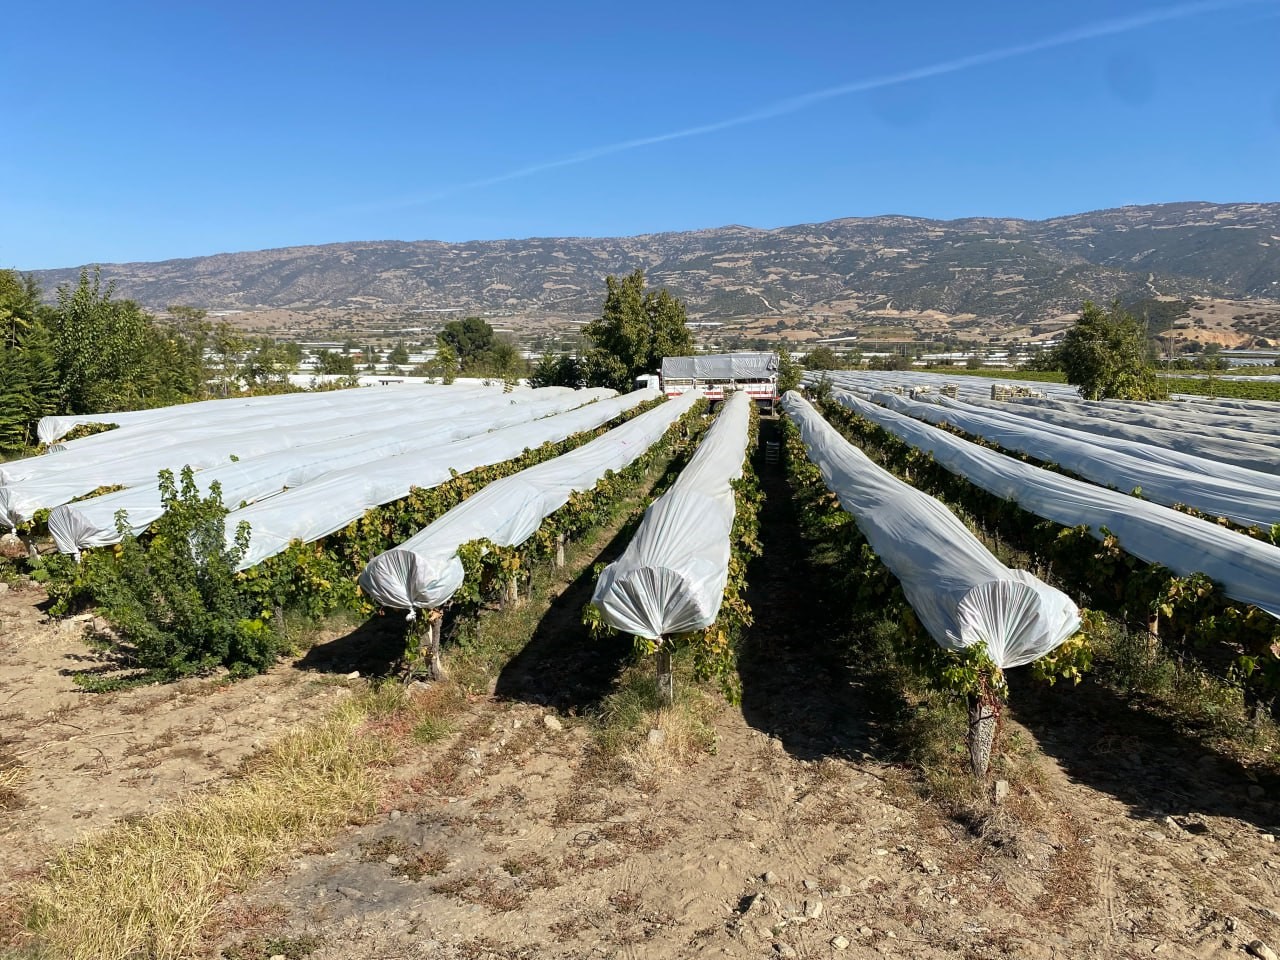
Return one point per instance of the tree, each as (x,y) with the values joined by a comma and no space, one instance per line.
(790,373)
(821,358)
(471,340)
(335,363)
(1212,358)
(445,363)
(1044,361)
(399,355)
(634,331)
(99,346)
(28,374)
(556,370)
(228,344)
(1106,356)
(175,598)
(269,362)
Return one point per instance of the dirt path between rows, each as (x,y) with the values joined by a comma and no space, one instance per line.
(801,835)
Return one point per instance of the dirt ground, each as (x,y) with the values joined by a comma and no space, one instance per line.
(800,835)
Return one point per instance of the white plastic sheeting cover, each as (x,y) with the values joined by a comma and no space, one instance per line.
(1261,454)
(1246,569)
(1180,459)
(91,523)
(329,503)
(671,577)
(962,594)
(1134,411)
(1184,418)
(1243,496)
(425,571)
(207,411)
(61,478)
(183,423)
(722,366)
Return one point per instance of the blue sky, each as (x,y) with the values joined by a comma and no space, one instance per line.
(148,130)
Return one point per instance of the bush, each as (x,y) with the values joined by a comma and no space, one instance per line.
(176,600)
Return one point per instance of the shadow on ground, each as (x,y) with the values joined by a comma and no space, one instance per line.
(797,682)
(1114,746)
(562,665)
(373,648)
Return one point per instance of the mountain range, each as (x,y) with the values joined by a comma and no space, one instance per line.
(1005,270)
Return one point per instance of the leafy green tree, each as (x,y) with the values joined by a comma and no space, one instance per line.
(790,373)
(268,362)
(228,346)
(895,361)
(99,345)
(634,331)
(187,334)
(556,370)
(1044,361)
(335,363)
(503,360)
(822,358)
(445,363)
(399,354)
(1212,359)
(1106,356)
(471,340)
(28,373)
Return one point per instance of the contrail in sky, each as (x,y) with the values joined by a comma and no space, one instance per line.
(1102,28)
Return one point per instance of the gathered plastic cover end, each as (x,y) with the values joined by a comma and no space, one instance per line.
(1019,620)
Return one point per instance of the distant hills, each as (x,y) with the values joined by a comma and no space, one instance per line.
(1011,271)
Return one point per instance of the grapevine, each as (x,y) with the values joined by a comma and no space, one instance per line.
(1240,641)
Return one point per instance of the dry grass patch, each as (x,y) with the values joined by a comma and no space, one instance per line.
(12,774)
(149,886)
(638,737)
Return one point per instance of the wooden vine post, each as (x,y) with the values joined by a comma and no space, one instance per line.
(435,666)
(984,717)
(424,628)
(666,678)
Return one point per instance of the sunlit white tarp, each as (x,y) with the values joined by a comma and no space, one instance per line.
(671,577)
(1175,415)
(425,571)
(185,423)
(328,504)
(422,425)
(721,366)
(1247,569)
(1250,451)
(61,478)
(962,594)
(1260,453)
(1246,497)
(209,411)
